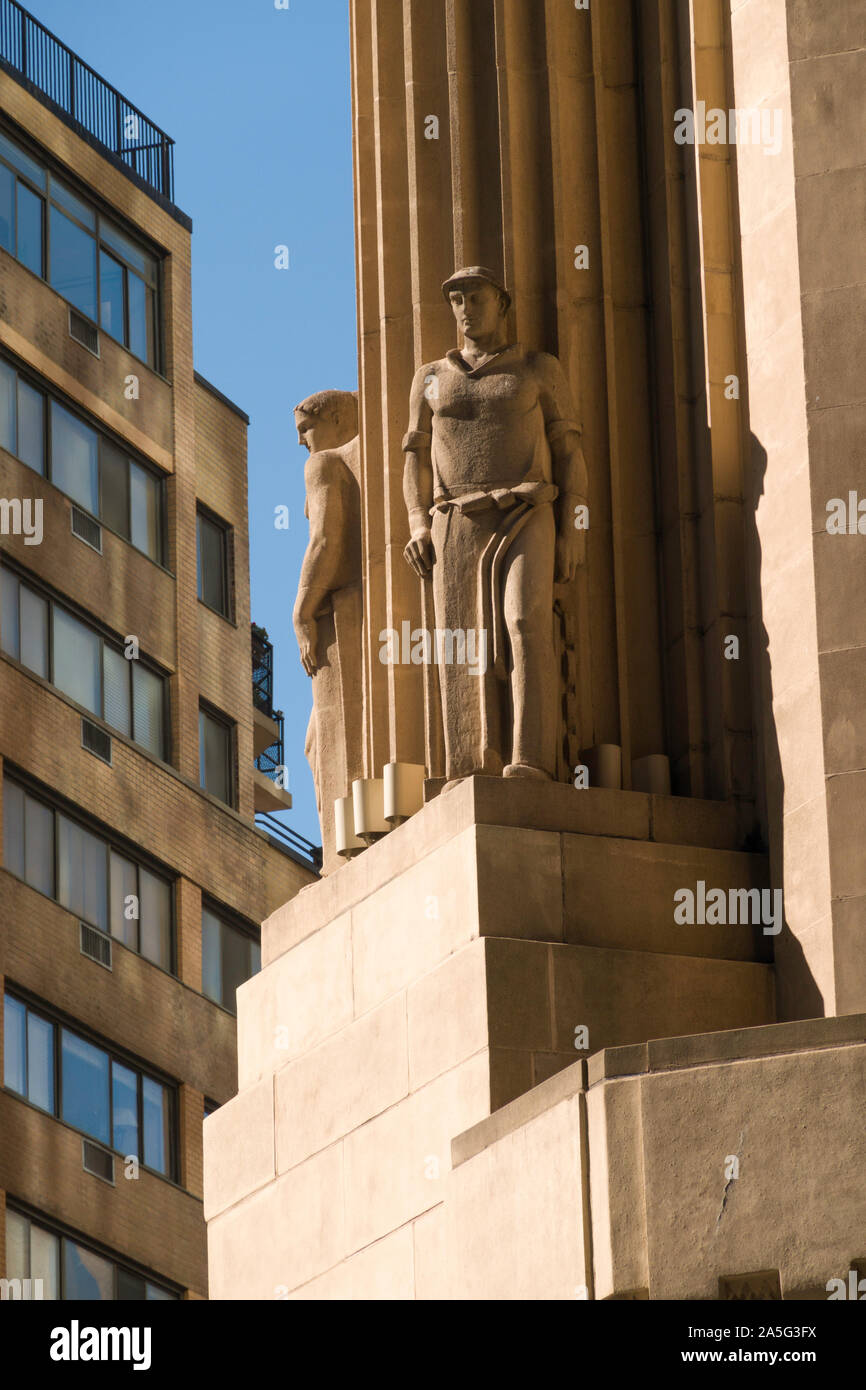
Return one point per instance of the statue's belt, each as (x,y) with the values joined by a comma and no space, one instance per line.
(517,503)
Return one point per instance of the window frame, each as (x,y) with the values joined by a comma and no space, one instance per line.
(228,921)
(111,844)
(63,1234)
(42,591)
(226,533)
(61,1025)
(230,726)
(51,171)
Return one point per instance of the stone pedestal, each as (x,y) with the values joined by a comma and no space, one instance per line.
(504,932)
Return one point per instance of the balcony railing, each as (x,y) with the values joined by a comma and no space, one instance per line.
(295,844)
(32,54)
(263,671)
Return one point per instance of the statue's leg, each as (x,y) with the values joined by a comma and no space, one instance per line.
(528,609)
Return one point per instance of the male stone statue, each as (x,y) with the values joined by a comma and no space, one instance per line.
(328,608)
(493,457)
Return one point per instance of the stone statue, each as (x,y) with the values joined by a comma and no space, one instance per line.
(493,457)
(328,608)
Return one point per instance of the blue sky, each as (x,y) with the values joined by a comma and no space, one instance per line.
(258,102)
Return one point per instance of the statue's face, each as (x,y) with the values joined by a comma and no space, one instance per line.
(317,432)
(478,308)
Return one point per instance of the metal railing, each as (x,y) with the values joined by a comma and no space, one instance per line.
(270,762)
(263,671)
(32,54)
(298,845)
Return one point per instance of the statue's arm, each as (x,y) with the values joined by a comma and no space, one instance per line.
(569,466)
(418,475)
(327,512)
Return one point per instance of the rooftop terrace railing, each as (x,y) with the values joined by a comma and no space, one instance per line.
(33,55)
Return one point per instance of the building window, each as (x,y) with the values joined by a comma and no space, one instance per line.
(215,755)
(95,673)
(67,1268)
(87,1087)
(229,958)
(126,497)
(85,256)
(214,588)
(88,876)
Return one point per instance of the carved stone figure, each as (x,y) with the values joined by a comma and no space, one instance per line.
(328,608)
(493,474)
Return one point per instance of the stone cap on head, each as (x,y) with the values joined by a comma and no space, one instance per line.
(476,272)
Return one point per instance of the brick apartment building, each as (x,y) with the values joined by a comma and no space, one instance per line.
(129,734)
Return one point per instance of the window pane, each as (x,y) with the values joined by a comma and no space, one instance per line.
(87,1276)
(45,1260)
(40,1063)
(154,1292)
(7,209)
(127,250)
(236,964)
(111,295)
(125,1097)
(39,845)
(138,334)
(77,661)
(255,958)
(73,263)
(116,684)
(85,1087)
(31,426)
(124,885)
(155,918)
(114,485)
(73,204)
(13,827)
(156,1124)
(7,408)
(74,467)
(214,756)
(17,1246)
(34,632)
(14,1057)
(145,495)
(82,873)
(30,229)
(9,613)
(22,162)
(148,709)
(129,1287)
(211,956)
(211,565)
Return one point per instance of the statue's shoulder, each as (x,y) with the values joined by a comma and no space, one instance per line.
(327,468)
(543,363)
(429,369)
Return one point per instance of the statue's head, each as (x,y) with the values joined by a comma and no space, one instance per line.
(478,299)
(327,420)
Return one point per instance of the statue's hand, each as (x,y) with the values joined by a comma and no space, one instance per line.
(306,633)
(419,553)
(570,555)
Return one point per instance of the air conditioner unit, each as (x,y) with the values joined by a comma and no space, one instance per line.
(84,332)
(97,1160)
(95,945)
(96,740)
(86,529)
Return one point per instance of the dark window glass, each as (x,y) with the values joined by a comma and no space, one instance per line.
(125,1097)
(40,1062)
(214,754)
(13,828)
(211,957)
(30,230)
(229,958)
(125,909)
(34,632)
(148,709)
(212,568)
(14,1046)
(86,1276)
(139,337)
(111,295)
(77,660)
(114,486)
(9,634)
(145,495)
(85,1086)
(7,408)
(156,1124)
(82,873)
(154,1292)
(7,209)
(155,918)
(236,964)
(129,1286)
(73,263)
(116,685)
(31,427)
(74,458)
(39,845)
